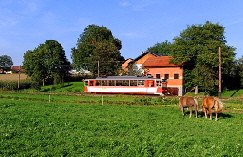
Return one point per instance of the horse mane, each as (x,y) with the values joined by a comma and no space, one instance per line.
(221,104)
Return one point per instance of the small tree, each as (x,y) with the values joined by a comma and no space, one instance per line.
(5,62)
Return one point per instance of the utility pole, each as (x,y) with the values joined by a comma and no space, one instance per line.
(19,78)
(98,68)
(219,51)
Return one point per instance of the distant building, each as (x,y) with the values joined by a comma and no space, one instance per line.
(17,68)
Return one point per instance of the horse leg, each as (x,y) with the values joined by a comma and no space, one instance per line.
(195,107)
(210,113)
(182,111)
(216,114)
(205,112)
(190,108)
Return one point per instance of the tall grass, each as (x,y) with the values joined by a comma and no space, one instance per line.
(37,128)
(14,85)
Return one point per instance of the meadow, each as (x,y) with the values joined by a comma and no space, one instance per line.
(13,77)
(40,124)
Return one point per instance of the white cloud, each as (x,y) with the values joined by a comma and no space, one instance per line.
(124,4)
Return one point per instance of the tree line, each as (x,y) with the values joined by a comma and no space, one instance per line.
(196,48)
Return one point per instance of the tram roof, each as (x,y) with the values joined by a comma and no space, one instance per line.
(124,78)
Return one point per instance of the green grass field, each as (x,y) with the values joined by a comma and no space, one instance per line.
(33,126)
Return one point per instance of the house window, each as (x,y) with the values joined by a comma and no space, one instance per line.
(176,76)
(149,75)
(166,76)
(158,76)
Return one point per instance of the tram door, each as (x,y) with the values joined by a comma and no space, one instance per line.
(164,86)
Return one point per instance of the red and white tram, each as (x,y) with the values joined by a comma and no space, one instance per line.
(125,84)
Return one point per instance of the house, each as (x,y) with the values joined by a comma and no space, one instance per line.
(161,67)
(138,62)
(17,68)
(125,64)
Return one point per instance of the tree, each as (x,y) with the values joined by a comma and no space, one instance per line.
(163,48)
(197,49)
(46,62)
(97,46)
(239,71)
(5,62)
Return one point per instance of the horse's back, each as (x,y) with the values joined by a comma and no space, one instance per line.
(187,101)
(208,101)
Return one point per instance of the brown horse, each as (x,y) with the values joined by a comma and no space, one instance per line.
(188,102)
(209,103)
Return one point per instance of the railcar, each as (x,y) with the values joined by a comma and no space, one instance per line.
(126,85)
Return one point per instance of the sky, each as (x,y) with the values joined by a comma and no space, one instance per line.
(139,24)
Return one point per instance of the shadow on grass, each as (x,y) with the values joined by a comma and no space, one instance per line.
(220,115)
(234,93)
(200,114)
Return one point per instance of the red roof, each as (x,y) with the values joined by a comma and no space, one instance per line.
(157,61)
(17,68)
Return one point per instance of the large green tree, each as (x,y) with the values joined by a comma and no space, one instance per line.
(163,48)
(46,62)
(5,62)
(197,48)
(97,51)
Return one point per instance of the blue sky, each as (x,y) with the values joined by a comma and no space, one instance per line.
(139,24)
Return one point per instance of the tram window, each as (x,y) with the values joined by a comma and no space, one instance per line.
(176,76)
(125,83)
(104,83)
(133,82)
(111,83)
(85,83)
(91,83)
(166,76)
(140,82)
(151,83)
(98,83)
(118,83)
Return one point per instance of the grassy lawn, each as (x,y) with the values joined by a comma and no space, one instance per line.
(70,87)
(31,126)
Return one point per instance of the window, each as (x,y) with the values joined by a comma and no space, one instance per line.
(104,83)
(125,83)
(119,83)
(98,83)
(91,83)
(111,82)
(158,83)
(166,76)
(158,76)
(140,82)
(86,83)
(176,76)
(133,83)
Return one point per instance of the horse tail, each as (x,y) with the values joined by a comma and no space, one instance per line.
(196,102)
(221,104)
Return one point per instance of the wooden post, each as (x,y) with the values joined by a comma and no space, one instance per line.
(219,51)
(19,79)
(98,68)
